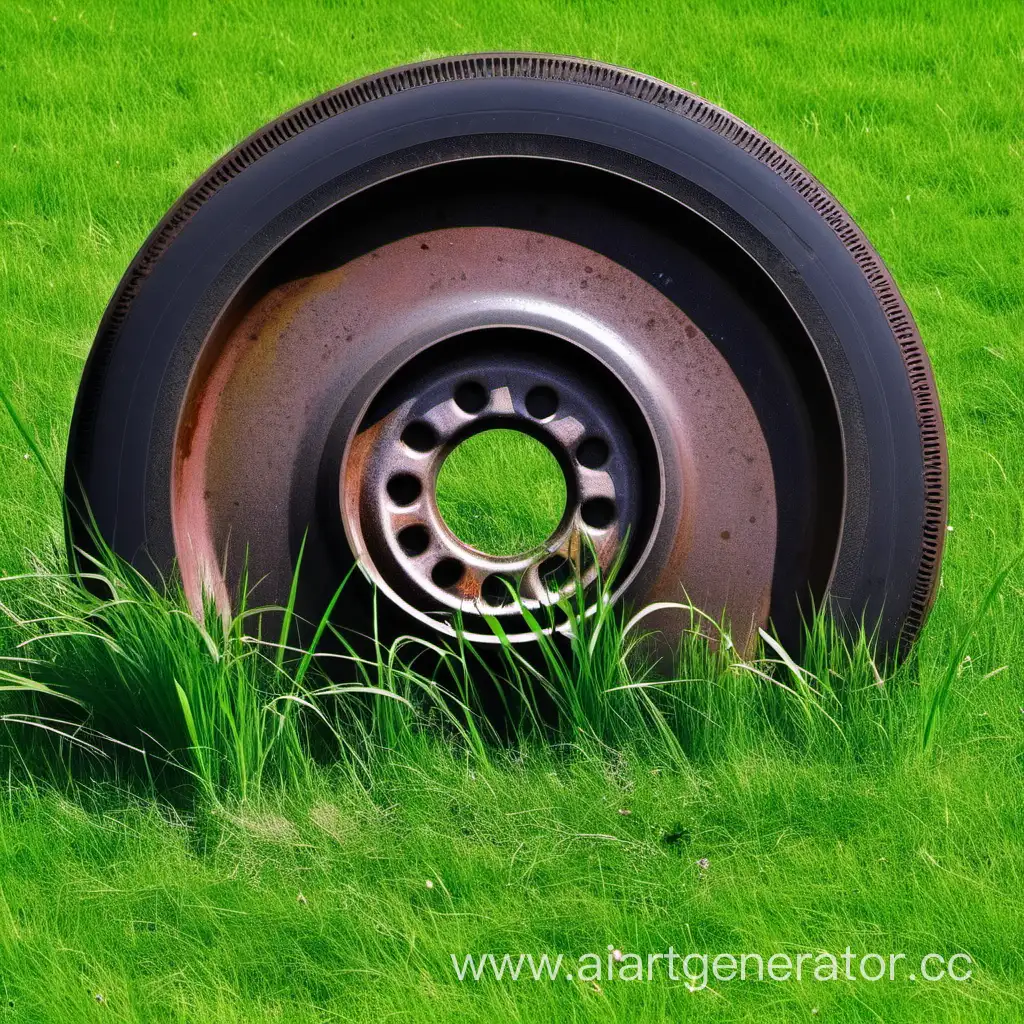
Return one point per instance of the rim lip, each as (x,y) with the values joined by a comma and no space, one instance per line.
(357,543)
(568,70)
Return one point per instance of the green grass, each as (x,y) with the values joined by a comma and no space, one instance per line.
(501,491)
(313,906)
(818,836)
(745,806)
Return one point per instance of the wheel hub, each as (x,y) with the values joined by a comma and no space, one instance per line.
(388,488)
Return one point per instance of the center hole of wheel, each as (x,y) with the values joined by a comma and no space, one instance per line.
(502,492)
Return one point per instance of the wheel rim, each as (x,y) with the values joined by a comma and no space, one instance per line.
(688,478)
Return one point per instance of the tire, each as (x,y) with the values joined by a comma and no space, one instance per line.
(690,293)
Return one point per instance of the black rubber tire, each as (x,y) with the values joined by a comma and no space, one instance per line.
(888,495)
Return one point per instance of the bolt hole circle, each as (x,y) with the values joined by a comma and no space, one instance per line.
(592,453)
(471,396)
(419,436)
(404,489)
(598,513)
(541,402)
(447,573)
(414,540)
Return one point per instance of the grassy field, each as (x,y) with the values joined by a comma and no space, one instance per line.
(751,827)
(501,491)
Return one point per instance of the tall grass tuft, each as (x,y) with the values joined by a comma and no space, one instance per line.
(124,666)
(101,663)
(121,670)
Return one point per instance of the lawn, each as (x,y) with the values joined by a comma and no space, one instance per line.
(308,900)
(501,491)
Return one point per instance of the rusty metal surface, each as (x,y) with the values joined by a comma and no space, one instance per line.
(310,355)
(379,457)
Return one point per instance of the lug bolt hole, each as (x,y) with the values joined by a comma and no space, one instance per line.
(598,512)
(592,453)
(471,396)
(541,402)
(555,572)
(447,573)
(404,488)
(495,590)
(414,540)
(419,436)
